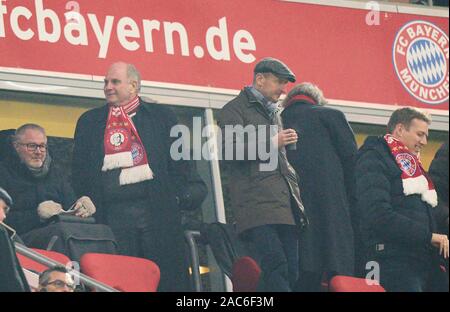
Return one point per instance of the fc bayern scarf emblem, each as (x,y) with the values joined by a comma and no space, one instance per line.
(415,180)
(123,146)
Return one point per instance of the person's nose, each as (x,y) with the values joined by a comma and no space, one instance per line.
(39,151)
(108,86)
(424,141)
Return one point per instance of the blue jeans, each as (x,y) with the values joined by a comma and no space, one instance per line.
(277,244)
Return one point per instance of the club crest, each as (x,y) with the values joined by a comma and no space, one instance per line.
(421,61)
(407,163)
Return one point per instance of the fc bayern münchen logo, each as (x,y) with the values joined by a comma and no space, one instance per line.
(407,163)
(137,153)
(421,60)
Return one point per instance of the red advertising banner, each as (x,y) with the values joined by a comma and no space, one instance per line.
(352,54)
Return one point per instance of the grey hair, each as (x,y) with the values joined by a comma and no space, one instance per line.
(134,75)
(44,277)
(21,130)
(308,89)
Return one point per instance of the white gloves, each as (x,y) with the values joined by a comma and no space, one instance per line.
(49,209)
(84,207)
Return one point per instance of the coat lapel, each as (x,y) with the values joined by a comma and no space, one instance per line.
(253,102)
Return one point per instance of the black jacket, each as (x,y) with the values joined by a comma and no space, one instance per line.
(404,224)
(12,278)
(153,123)
(439,175)
(28,192)
(324,160)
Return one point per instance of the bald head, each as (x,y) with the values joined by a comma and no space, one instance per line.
(122,83)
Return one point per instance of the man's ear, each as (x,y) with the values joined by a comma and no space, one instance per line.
(134,86)
(398,130)
(259,78)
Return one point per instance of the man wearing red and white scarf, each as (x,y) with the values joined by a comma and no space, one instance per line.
(395,202)
(122,160)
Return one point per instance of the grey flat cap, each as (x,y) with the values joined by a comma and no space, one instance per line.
(6,198)
(276,67)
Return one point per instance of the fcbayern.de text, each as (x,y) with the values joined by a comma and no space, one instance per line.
(43,23)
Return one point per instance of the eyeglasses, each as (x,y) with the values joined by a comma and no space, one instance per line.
(32,147)
(61,284)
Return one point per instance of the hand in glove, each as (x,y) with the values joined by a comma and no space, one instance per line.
(49,209)
(84,207)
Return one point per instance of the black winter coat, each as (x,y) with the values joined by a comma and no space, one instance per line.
(324,160)
(439,175)
(404,224)
(12,278)
(28,192)
(153,123)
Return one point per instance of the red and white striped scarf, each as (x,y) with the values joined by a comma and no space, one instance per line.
(123,146)
(415,179)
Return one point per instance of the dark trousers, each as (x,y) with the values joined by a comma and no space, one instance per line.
(407,275)
(277,246)
(138,235)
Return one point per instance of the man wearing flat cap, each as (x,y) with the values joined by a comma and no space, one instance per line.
(265,201)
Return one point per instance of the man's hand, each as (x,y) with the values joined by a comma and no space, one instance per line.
(49,209)
(285,137)
(441,241)
(84,207)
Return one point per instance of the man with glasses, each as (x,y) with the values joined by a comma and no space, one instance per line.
(56,279)
(28,174)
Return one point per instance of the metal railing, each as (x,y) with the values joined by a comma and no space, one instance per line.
(86,280)
(191,237)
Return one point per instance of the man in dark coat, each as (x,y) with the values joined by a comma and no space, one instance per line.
(122,161)
(324,160)
(12,278)
(265,199)
(28,174)
(395,198)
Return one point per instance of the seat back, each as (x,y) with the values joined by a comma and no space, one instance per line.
(246,275)
(341,283)
(130,274)
(32,265)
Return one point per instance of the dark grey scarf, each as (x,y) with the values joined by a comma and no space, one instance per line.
(43,171)
(271,107)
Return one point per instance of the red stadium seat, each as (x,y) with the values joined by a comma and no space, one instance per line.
(130,274)
(341,283)
(246,274)
(32,265)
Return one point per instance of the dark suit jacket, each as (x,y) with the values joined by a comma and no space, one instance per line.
(153,123)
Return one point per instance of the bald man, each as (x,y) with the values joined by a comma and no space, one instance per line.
(122,161)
